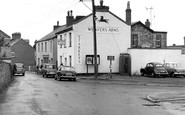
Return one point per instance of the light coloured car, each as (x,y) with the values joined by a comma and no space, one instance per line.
(49,70)
(66,72)
(174,69)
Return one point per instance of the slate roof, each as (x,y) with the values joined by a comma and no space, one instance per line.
(6,35)
(52,34)
(65,28)
(139,22)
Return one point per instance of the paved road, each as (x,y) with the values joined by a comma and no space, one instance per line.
(33,95)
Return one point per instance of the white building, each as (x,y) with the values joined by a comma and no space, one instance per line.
(75,41)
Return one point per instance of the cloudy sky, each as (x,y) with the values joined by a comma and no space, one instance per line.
(35,18)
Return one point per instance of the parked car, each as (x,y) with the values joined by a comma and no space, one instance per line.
(174,69)
(18,68)
(48,70)
(154,69)
(66,72)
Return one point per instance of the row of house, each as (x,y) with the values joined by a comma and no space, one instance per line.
(132,44)
(16,50)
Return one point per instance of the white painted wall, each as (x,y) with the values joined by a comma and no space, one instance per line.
(108,43)
(140,57)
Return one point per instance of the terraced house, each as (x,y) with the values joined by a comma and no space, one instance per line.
(46,47)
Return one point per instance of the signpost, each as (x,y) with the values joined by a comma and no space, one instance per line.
(111,58)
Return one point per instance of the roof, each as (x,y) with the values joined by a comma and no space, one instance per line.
(139,22)
(52,34)
(12,42)
(67,28)
(6,35)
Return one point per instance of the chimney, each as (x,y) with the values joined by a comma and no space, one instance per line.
(56,26)
(69,18)
(147,23)
(16,35)
(128,14)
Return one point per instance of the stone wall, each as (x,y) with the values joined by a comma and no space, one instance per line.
(147,38)
(5,74)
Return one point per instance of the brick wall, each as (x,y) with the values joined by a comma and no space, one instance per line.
(5,74)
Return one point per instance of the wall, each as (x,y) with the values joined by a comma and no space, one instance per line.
(108,43)
(24,53)
(147,37)
(5,74)
(140,57)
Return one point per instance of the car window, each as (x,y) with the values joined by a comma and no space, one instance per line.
(159,65)
(19,65)
(67,68)
(50,66)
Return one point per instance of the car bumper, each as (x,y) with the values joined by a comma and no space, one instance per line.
(162,74)
(179,74)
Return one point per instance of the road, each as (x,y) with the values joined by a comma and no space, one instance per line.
(33,95)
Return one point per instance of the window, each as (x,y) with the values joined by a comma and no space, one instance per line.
(51,46)
(45,46)
(38,47)
(70,42)
(134,40)
(38,61)
(61,60)
(51,60)
(65,61)
(70,61)
(13,54)
(158,41)
(41,47)
(65,40)
(61,41)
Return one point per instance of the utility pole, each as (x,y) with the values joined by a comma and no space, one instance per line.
(95,42)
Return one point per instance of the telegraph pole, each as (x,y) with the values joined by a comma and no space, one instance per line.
(95,42)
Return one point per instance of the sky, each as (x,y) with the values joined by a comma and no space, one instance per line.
(35,18)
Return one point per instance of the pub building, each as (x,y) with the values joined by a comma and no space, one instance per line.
(76,46)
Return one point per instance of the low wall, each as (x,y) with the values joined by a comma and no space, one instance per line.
(140,57)
(5,74)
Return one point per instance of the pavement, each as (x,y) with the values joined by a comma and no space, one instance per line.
(143,81)
(135,80)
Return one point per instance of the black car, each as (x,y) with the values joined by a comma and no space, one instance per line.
(154,69)
(18,68)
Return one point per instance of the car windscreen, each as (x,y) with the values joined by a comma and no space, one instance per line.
(158,65)
(67,68)
(50,66)
(19,65)
(175,65)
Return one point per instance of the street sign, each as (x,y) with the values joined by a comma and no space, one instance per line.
(110,57)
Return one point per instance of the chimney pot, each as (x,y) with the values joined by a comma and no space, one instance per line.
(147,23)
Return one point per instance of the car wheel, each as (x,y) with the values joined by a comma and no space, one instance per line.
(153,75)
(142,73)
(23,74)
(55,77)
(172,74)
(74,79)
(58,78)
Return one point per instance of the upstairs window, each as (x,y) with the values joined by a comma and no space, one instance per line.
(158,41)
(42,47)
(45,46)
(70,40)
(134,40)
(13,54)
